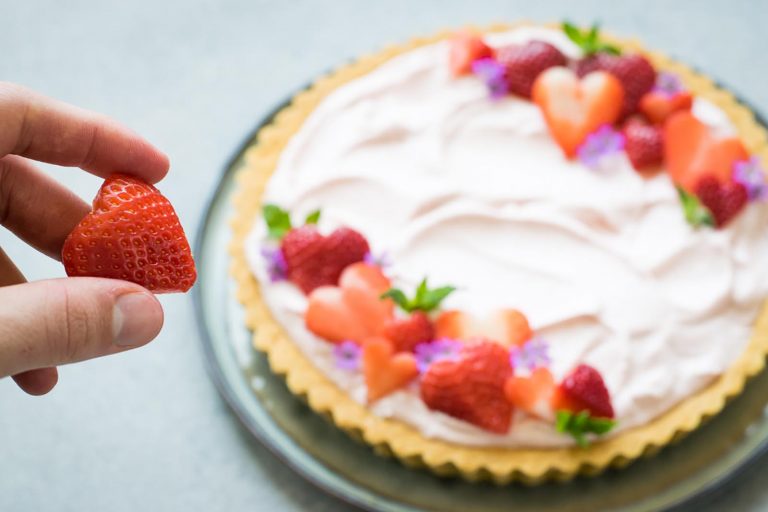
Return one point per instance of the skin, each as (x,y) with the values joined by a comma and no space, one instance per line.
(48,323)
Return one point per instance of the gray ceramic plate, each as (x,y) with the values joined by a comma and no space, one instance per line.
(681,476)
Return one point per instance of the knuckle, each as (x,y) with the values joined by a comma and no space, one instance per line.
(73,330)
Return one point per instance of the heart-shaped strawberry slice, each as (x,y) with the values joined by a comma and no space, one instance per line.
(353,310)
(573,108)
(386,371)
(657,106)
(692,151)
(472,387)
(132,234)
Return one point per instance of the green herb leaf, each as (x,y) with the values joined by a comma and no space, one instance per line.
(695,212)
(573,33)
(398,296)
(425,299)
(580,424)
(589,40)
(609,48)
(313,217)
(433,298)
(278,221)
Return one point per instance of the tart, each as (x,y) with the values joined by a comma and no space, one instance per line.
(521,253)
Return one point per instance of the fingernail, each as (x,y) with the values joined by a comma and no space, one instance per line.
(137,319)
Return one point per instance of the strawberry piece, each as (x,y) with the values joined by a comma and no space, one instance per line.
(644,144)
(525,63)
(466,48)
(532,394)
(472,387)
(724,200)
(584,389)
(314,260)
(132,234)
(384,370)
(508,327)
(352,310)
(574,108)
(406,333)
(691,151)
(658,106)
(635,73)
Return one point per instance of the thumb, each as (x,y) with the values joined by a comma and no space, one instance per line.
(60,321)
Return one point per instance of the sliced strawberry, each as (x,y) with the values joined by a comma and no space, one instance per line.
(524,63)
(574,108)
(405,333)
(352,310)
(472,387)
(634,71)
(532,394)
(644,144)
(658,106)
(133,234)
(466,48)
(723,199)
(508,327)
(584,389)
(315,260)
(692,151)
(385,370)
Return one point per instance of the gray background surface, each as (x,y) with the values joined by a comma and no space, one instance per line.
(147,428)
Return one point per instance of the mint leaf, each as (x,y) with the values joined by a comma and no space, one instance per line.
(695,212)
(608,48)
(398,296)
(433,298)
(573,33)
(563,420)
(594,32)
(313,217)
(600,426)
(589,41)
(581,424)
(424,299)
(278,221)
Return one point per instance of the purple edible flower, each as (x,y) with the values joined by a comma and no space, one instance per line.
(603,142)
(277,268)
(533,354)
(347,355)
(382,260)
(751,174)
(668,84)
(428,353)
(493,74)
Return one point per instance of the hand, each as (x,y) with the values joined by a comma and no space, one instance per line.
(53,322)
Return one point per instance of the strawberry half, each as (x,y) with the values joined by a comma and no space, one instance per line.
(405,333)
(644,144)
(525,63)
(657,106)
(723,199)
(584,389)
(314,260)
(472,387)
(132,233)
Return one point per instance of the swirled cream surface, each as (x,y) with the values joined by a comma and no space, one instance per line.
(475,193)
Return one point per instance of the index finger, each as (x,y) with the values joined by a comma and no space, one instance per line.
(40,128)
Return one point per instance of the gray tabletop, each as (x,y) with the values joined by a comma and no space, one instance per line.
(147,428)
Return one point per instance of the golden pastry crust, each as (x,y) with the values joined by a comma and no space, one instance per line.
(392,437)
